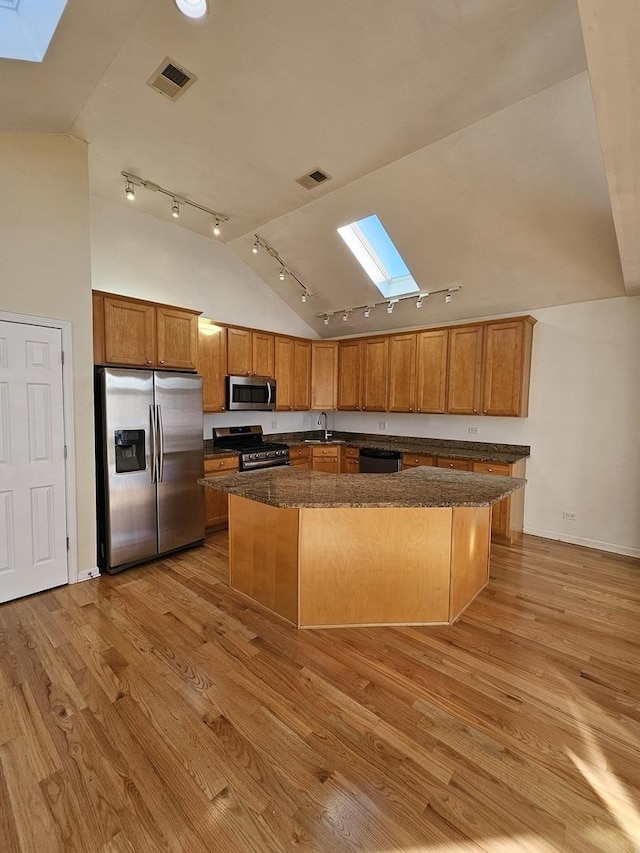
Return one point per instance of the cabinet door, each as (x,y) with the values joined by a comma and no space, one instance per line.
(216,504)
(177,338)
(262,357)
(300,456)
(402,373)
(350,462)
(375,374)
(349,366)
(507,351)
(129,332)
(324,375)
(465,368)
(326,464)
(212,364)
(238,352)
(433,348)
(500,512)
(301,375)
(284,373)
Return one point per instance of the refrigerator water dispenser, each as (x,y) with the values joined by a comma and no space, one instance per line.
(130,455)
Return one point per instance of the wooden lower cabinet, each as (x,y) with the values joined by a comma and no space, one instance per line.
(456,464)
(507,518)
(326,459)
(350,462)
(299,455)
(216,504)
(415,460)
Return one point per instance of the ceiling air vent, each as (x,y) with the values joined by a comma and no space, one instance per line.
(313,179)
(171,79)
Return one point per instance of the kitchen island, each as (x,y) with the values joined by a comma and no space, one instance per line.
(328,550)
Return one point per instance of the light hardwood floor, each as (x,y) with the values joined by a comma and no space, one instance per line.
(159,711)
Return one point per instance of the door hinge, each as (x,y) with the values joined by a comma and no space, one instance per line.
(65,451)
(61,356)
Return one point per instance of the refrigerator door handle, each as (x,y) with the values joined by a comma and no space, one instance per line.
(152,442)
(160,445)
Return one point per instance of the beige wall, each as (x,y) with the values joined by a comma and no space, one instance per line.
(45,271)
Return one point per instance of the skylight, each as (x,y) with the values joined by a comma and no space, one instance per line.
(27,27)
(378,256)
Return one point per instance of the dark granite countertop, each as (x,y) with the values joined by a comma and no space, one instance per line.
(417,487)
(480,451)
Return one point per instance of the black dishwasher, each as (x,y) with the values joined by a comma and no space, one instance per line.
(374,461)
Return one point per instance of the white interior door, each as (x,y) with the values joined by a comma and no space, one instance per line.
(33,537)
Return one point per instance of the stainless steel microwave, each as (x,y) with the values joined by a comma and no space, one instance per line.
(251,392)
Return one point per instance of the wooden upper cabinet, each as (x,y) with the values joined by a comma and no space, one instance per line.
(262,355)
(375,374)
(431,383)
(402,373)
(239,352)
(250,353)
(284,373)
(465,370)
(301,375)
(324,375)
(349,368)
(212,364)
(177,340)
(134,333)
(507,365)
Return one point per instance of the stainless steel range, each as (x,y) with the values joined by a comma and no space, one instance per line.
(249,442)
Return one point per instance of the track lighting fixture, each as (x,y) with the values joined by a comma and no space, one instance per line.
(133,181)
(345,316)
(391,303)
(285,269)
(192,8)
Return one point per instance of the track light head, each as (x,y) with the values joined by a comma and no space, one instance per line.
(129,190)
(420,301)
(175,209)
(303,298)
(326,319)
(255,248)
(367,311)
(391,306)
(282,274)
(448,298)
(345,316)
(216,228)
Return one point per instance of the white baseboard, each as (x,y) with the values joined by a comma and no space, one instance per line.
(88,575)
(586,543)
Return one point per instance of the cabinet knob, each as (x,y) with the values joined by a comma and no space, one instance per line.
(490,470)
(419,409)
(148,361)
(485,412)
(450,464)
(410,409)
(475,411)
(221,464)
(357,408)
(161,362)
(363,408)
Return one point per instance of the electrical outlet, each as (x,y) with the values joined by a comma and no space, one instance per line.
(570,516)
(474,430)
(274,424)
(382,424)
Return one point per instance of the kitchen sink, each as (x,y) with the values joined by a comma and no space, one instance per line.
(322,441)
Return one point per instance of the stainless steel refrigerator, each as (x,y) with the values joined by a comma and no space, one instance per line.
(149,455)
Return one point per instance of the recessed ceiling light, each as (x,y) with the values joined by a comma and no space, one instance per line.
(192,8)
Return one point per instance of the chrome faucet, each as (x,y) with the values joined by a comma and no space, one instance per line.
(327,434)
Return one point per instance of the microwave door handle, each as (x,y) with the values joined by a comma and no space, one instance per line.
(152,442)
(268,393)
(160,445)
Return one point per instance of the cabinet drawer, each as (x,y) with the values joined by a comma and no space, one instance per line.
(226,464)
(456,464)
(352,452)
(325,452)
(299,452)
(492,468)
(414,460)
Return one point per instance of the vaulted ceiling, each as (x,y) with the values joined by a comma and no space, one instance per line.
(468,127)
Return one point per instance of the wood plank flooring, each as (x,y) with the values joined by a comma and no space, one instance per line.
(159,711)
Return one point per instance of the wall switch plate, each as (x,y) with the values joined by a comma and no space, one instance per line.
(570,516)
(382,424)
(274,424)
(474,430)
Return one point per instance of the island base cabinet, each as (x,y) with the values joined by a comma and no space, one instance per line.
(321,568)
(216,504)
